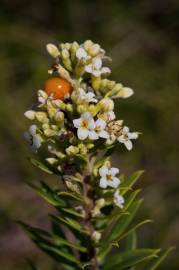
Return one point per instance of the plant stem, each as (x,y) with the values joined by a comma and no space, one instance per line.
(87,192)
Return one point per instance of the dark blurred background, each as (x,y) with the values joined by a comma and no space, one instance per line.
(142,37)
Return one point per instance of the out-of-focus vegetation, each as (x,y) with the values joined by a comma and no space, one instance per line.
(142,38)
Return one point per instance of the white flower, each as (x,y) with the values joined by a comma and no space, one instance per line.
(108,177)
(118,199)
(96,68)
(85,125)
(126,137)
(100,126)
(33,138)
(81,54)
(88,97)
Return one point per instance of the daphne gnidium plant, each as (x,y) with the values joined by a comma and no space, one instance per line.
(73,133)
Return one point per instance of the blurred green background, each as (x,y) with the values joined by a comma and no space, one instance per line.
(142,38)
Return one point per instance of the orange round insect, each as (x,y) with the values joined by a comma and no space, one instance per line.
(57,86)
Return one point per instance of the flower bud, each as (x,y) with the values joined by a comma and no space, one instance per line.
(51,161)
(94,50)
(59,116)
(30,114)
(107,104)
(42,117)
(125,92)
(96,236)
(49,132)
(65,54)
(81,109)
(53,50)
(72,150)
(87,44)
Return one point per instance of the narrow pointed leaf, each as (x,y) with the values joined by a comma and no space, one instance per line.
(131,181)
(153,265)
(129,259)
(40,165)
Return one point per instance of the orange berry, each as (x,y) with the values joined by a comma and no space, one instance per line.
(57,86)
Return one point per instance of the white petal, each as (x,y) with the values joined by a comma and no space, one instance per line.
(103,183)
(113,171)
(33,129)
(103,171)
(114,183)
(125,130)
(77,122)
(81,53)
(100,123)
(103,134)
(36,143)
(91,124)
(111,115)
(96,73)
(105,70)
(81,91)
(133,135)
(128,145)
(87,116)
(121,139)
(89,68)
(97,63)
(82,133)
(93,135)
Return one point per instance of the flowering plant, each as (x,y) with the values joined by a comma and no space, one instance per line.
(74,131)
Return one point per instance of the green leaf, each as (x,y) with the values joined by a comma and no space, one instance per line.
(70,195)
(71,223)
(40,165)
(129,258)
(153,265)
(48,194)
(117,228)
(131,241)
(123,222)
(59,254)
(45,241)
(131,181)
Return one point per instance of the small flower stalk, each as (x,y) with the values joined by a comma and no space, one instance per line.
(73,131)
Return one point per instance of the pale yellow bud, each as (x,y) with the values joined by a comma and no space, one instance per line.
(51,161)
(30,114)
(87,44)
(107,104)
(53,50)
(125,92)
(69,107)
(72,150)
(81,108)
(65,53)
(111,84)
(96,236)
(94,50)
(96,81)
(42,117)
(59,117)
(50,132)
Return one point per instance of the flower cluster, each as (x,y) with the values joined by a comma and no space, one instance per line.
(74,128)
